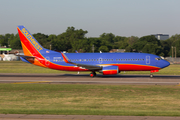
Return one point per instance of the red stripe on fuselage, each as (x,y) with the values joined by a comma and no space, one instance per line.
(122,67)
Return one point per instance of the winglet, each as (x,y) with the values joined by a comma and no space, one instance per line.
(65,58)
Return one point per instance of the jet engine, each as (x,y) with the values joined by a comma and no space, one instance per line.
(109,70)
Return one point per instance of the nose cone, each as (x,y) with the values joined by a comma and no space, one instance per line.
(165,63)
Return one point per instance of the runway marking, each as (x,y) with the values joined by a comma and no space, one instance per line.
(31,82)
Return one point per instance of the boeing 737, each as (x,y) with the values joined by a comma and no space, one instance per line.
(105,63)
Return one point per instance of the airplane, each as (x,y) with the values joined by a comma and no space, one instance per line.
(104,63)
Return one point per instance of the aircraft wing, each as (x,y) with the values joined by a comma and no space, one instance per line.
(85,66)
(89,67)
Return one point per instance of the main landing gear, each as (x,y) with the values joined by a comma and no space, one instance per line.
(93,74)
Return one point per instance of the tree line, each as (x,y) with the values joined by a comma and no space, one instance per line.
(74,39)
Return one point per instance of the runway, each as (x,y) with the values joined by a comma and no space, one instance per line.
(17,78)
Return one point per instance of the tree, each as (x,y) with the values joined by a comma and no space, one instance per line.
(107,39)
(15,42)
(148,44)
(42,39)
(69,40)
(104,49)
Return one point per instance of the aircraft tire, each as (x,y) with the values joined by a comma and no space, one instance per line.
(91,75)
(151,75)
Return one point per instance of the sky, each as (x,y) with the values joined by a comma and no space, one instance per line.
(120,17)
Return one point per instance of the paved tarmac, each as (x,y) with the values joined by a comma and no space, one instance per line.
(85,79)
(80,117)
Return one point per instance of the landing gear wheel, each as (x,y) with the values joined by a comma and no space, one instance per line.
(151,75)
(92,74)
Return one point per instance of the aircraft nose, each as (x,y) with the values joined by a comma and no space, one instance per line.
(165,63)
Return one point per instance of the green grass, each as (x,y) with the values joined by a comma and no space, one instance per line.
(22,67)
(134,100)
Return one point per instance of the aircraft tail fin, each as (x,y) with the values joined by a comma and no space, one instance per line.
(30,45)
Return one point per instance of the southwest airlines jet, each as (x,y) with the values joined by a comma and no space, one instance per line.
(105,63)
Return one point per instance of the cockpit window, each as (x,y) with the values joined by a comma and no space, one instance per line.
(158,58)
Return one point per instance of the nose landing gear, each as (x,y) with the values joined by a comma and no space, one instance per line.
(152,71)
(151,75)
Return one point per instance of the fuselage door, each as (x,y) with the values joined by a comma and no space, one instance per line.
(147,59)
(100,60)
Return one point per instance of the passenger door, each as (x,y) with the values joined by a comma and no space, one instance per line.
(147,59)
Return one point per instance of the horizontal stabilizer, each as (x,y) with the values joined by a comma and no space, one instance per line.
(25,56)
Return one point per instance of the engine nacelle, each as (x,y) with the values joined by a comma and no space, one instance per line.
(110,70)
